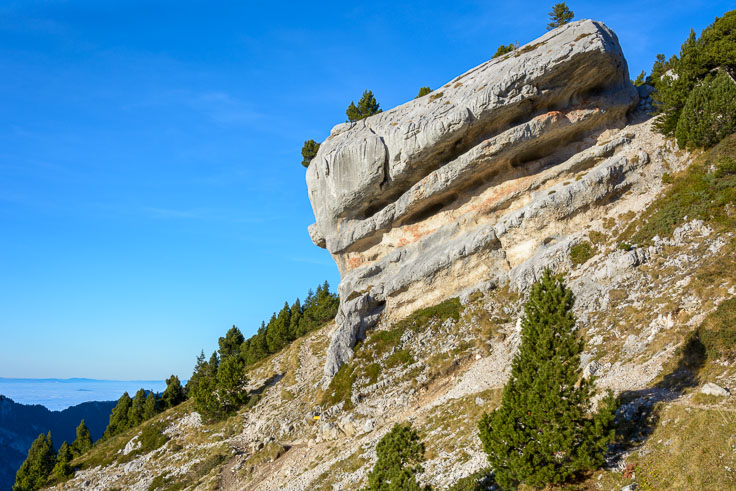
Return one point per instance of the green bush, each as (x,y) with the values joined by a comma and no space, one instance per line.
(309,151)
(676,78)
(400,454)
(581,252)
(709,114)
(367,106)
(503,49)
(423,91)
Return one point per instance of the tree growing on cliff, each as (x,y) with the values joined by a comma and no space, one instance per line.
(542,433)
(174,392)
(560,15)
(309,151)
(63,468)
(423,91)
(503,49)
(709,114)
(400,455)
(38,465)
(119,416)
(367,106)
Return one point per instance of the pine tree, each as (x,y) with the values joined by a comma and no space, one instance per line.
(542,433)
(38,465)
(83,440)
(367,106)
(174,392)
(560,15)
(423,91)
(400,454)
(149,407)
(63,469)
(709,114)
(135,413)
(309,151)
(119,417)
(231,380)
(230,344)
(503,49)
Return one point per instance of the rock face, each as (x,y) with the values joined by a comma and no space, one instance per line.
(474,183)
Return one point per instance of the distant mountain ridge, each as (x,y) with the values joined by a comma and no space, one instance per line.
(20,424)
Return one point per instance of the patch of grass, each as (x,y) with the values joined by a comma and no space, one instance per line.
(449,309)
(583,36)
(526,49)
(151,438)
(705,191)
(581,252)
(435,95)
(372,371)
(483,479)
(341,387)
(718,331)
(691,448)
(624,246)
(399,358)
(597,238)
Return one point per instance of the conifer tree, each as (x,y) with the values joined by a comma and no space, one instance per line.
(503,49)
(38,465)
(119,417)
(62,468)
(400,455)
(230,344)
(542,433)
(709,114)
(423,91)
(309,151)
(149,407)
(135,413)
(367,106)
(560,15)
(231,380)
(174,392)
(83,440)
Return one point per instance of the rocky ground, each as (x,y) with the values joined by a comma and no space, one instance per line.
(443,366)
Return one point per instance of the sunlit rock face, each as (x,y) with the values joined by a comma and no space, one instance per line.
(483,181)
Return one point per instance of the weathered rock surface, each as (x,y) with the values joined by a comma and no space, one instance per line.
(454,189)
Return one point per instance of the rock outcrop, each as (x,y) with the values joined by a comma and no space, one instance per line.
(474,183)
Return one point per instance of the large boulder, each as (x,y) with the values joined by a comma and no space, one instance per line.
(422,201)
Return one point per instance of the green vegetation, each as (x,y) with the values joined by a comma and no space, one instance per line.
(542,433)
(380,350)
(423,91)
(38,465)
(560,15)
(217,386)
(400,455)
(676,79)
(581,252)
(709,114)
(309,151)
(717,333)
(705,191)
(62,468)
(367,106)
(503,49)
(290,323)
(83,440)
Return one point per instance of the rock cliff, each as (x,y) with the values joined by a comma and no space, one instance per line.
(468,185)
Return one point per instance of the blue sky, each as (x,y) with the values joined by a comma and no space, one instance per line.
(151,192)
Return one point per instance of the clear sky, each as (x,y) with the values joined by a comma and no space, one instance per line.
(151,192)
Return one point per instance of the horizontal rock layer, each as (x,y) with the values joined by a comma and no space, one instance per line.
(420,202)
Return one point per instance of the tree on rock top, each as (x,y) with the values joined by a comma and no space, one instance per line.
(309,151)
(400,454)
(543,433)
(560,15)
(423,91)
(367,106)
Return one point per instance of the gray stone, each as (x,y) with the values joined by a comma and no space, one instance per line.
(715,390)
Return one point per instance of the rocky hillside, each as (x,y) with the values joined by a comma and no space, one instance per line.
(440,213)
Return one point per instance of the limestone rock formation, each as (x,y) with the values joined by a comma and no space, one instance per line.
(414,203)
